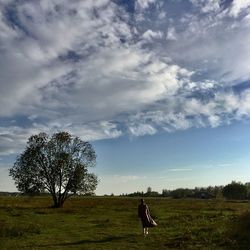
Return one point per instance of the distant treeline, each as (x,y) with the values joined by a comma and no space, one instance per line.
(234,190)
(9,193)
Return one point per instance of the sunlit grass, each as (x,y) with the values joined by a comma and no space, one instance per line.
(112,223)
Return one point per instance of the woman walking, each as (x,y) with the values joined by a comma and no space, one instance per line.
(146,220)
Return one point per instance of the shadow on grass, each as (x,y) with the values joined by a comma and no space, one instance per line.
(240,232)
(87,241)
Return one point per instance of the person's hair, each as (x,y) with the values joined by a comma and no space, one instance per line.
(142,201)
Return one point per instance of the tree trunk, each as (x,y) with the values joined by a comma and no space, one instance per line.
(58,201)
(58,205)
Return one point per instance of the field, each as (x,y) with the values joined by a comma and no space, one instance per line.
(112,223)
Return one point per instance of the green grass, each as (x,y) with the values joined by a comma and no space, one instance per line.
(112,223)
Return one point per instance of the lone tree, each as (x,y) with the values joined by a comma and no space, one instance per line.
(58,164)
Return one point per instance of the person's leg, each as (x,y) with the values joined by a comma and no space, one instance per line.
(146,230)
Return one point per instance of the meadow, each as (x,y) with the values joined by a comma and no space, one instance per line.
(112,223)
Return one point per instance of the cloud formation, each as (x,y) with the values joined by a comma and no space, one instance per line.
(102,69)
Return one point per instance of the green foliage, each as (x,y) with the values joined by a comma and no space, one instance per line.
(58,165)
(235,190)
(182,193)
(112,223)
(204,192)
(248,189)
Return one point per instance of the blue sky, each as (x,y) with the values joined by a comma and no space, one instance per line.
(161,88)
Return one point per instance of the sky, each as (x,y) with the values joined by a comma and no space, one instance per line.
(161,88)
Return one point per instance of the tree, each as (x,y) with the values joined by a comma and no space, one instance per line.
(58,164)
(235,190)
(149,190)
(181,193)
(248,189)
(165,193)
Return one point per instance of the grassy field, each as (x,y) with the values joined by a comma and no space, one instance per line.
(112,223)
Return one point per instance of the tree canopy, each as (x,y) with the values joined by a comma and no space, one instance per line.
(57,164)
(235,190)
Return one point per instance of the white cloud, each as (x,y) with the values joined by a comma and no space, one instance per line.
(126,178)
(238,6)
(142,129)
(208,43)
(94,131)
(12,139)
(179,169)
(244,104)
(145,3)
(171,34)
(88,66)
(149,35)
(207,5)
(214,121)
(162,15)
(6,183)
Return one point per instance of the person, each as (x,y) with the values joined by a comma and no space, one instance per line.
(144,215)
